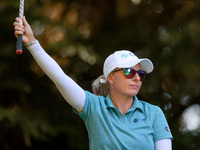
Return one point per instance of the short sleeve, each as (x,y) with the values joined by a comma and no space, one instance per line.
(160,126)
(92,102)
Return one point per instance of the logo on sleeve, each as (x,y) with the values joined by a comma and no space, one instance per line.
(167,129)
(109,115)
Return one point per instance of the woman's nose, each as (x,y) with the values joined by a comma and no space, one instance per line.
(136,77)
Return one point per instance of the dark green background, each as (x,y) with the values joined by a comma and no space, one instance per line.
(79,35)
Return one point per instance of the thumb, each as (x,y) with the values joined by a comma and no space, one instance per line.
(24,21)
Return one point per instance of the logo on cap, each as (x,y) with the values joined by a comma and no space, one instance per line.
(124,55)
(131,54)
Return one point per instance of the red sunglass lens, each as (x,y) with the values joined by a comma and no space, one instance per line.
(129,73)
(142,75)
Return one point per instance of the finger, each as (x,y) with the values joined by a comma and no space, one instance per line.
(17,33)
(17,28)
(17,19)
(18,24)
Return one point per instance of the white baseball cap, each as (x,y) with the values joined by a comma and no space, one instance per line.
(125,59)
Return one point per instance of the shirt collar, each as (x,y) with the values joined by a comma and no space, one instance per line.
(137,104)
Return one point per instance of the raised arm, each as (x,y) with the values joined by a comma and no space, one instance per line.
(71,91)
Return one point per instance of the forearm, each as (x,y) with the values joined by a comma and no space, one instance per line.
(67,87)
(48,65)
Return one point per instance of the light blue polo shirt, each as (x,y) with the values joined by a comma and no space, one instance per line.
(109,129)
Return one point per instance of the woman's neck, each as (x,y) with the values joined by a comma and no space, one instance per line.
(122,102)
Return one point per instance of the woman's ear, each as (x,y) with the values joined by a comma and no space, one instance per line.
(110,78)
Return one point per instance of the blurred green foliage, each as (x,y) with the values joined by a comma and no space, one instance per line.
(79,35)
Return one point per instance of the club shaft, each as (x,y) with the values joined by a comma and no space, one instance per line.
(19,39)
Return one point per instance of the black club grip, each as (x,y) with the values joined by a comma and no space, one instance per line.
(19,44)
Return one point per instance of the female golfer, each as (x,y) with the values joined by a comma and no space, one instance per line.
(114,117)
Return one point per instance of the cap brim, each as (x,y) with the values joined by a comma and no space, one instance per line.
(146,64)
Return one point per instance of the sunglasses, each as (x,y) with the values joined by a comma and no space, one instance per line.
(130,73)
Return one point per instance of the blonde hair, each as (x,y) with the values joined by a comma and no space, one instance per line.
(99,88)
